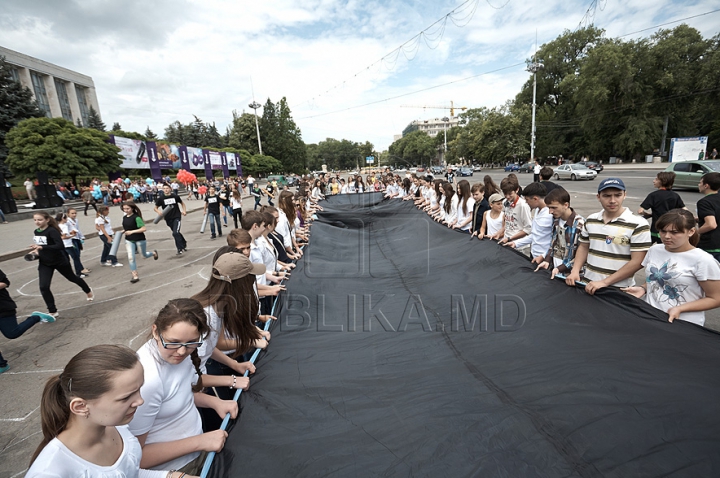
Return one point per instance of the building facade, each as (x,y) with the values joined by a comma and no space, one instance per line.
(59,92)
(432,127)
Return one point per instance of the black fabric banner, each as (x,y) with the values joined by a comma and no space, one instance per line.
(403,348)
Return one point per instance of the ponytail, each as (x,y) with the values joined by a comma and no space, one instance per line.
(54,412)
(196,362)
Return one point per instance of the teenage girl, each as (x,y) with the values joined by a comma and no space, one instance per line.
(50,249)
(236,203)
(680,279)
(168,424)
(67,235)
(134,228)
(78,239)
(466,203)
(451,205)
(84,415)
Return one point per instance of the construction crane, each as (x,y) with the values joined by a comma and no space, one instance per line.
(452,108)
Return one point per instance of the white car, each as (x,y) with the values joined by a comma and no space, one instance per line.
(574,172)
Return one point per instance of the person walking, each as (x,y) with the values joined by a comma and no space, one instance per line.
(134,228)
(30,189)
(236,202)
(67,236)
(88,199)
(105,232)
(50,250)
(78,239)
(212,209)
(536,171)
(257,193)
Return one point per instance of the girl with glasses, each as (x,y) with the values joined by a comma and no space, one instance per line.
(168,424)
(84,415)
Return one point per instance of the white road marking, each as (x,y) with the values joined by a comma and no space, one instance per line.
(34,371)
(11,444)
(21,419)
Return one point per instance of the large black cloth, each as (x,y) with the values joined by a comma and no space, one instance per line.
(373,369)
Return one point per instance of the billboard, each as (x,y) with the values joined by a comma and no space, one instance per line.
(133,151)
(688,149)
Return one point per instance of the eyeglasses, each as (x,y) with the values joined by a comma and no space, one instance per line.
(176,346)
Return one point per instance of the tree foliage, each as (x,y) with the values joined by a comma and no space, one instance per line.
(280,136)
(195,134)
(94,120)
(61,149)
(16,104)
(149,134)
(416,148)
(116,126)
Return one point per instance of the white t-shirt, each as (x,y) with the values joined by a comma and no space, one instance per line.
(540,234)
(74,226)
(169,412)
(461,217)
(101,221)
(493,225)
(65,229)
(283,228)
(256,256)
(57,461)
(672,278)
(211,340)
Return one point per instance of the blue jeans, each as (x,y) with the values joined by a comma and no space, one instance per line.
(105,255)
(228,212)
(130,247)
(2,216)
(214,219)
(74,254)
(11,329)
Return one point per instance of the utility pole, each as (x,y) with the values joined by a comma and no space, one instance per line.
(533,68)
(445,120)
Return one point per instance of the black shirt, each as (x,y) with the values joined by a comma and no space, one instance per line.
(213,205)
(549,185)
(709,206)
(172,200)
(224,197)
(661,201)
(53,249)
(478,210)
(7,305)
(277,241)
(133,223)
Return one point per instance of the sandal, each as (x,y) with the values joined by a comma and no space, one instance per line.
(135,278)
(155,254)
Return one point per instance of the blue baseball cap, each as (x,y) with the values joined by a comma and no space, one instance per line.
(615,183)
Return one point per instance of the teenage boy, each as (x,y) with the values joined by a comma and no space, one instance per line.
(708,211)
(661,201)
(566,229)
(613,243)
(254,224)
(212,209)
(541,230)
(481,205)
(518,222)
(224,196)
(545,175)
(167,198)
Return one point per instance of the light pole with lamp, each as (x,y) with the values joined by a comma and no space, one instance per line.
(445,120)
(533,68)
(255,105)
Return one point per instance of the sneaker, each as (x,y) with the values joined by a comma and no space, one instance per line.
(46,318)
(85,271)
(117,264)
(5,368)
(92,296)
(134,280)
(82,276)
(212,237)
(155,254)
(179,253)
(108,263)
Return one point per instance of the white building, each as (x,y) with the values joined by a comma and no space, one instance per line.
(432,127)
(60,93)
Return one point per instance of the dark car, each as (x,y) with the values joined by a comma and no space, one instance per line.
(512,167)
(292,180)
(437,170)
(593,165)
(526,168)
(465,171)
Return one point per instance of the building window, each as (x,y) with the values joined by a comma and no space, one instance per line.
(14,74)
(63,99)
(82,102)
(40,93)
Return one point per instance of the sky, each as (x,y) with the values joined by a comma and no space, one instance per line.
(337,62)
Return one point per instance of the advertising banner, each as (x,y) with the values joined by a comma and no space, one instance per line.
(225,169)
(688,149)
(195,158)
(133,151)
(184,162)
(208,166)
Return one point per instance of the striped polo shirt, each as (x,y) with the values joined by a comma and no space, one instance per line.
(612,243)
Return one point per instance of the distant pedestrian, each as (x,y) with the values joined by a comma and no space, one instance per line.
(173,217)
(67,235)
(106,234)
(661,201)
(536,171)
(708,211)
(135,240)
(78,239)
(30,189)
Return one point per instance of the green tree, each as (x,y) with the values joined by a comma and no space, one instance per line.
(414,149)
(59,148)
(16,104)
(242,133)
(281,138)
(266,164)
(148,134)
(94,120)
(116,126)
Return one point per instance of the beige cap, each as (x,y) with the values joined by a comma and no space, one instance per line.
(495,198)
(235,265)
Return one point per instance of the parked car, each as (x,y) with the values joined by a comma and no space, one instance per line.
(421,170)
(574,172)
(281,181)
(526,168)
(464,171)
(477,168)
(688,173)
(437,169)
(512,167)
(292,181)
(594,166)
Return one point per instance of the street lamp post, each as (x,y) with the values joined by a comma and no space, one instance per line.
(533,68)
(445,120)
(255,105)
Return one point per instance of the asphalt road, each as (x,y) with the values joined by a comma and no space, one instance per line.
(122,312)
